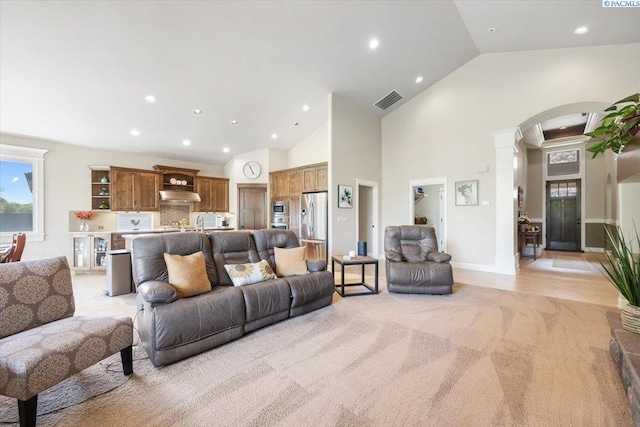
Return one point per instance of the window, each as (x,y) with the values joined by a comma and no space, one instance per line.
(563,163)
(21,187)
(563,189)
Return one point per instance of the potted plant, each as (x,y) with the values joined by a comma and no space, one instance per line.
(618,127)
(621,265)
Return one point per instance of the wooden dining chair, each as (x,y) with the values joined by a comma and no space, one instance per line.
(14,253)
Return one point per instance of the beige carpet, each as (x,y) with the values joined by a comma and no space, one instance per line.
(479,357)
(572,263)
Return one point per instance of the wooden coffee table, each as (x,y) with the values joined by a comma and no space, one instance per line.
(358,260)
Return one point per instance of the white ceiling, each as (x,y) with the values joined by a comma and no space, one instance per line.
(78,72)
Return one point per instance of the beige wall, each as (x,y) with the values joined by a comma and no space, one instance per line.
(445,130)
(312,149)
(355,154)
(535,186)
(67,185)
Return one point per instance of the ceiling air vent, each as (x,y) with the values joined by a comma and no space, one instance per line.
(388,100)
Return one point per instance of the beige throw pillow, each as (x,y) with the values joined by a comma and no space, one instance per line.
(187,274)
(290,262)
(248,274)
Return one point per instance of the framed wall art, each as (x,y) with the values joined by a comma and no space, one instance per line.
(345,196)
(467,193)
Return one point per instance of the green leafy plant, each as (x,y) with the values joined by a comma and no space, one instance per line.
(622,266)
(618,127)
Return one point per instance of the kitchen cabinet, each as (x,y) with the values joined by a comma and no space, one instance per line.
(279,185)
(295,191)
(90,251)
(214,194)
(134,189)
(315,178)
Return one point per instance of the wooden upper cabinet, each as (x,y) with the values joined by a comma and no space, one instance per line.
(322,177)
(279,185)
(315,178)
(214,194)
(295,182)
(146,188)
(121,189)
(220,192)
(134,190)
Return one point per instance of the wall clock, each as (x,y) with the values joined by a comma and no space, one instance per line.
(251,169)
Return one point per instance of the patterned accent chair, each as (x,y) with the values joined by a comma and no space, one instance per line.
(41,342)
(413,263)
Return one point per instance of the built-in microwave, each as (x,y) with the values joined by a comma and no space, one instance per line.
(280,208)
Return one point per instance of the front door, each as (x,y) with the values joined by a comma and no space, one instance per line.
(252,208)
(563,215)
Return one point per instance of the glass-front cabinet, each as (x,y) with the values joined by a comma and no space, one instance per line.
(90,251)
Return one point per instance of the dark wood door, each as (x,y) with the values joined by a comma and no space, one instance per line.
(252,208)
(563,215)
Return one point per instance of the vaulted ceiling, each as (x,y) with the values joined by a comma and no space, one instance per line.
(79,72)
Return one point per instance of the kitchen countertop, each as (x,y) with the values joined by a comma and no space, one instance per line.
(157,230)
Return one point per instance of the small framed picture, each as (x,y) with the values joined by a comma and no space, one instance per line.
(466,193)
(345,196)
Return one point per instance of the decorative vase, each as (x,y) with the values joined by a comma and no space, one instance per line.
(84,226)
(631,318)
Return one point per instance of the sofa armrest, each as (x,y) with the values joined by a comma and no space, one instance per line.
(438,257)
(316,265)
(155,292)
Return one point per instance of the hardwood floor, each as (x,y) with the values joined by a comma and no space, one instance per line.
(566,275)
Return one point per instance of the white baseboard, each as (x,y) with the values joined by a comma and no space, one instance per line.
(600,250)
(475,267)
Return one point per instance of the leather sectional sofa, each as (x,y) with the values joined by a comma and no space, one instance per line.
(173,328)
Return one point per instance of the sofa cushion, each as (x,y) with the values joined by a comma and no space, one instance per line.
(35,360)
(311,287)
(266,298)
(268,239)
(187,274)
(249,273)
(33,293)
(189,320)
(290,262)
(147,256)
(232,247)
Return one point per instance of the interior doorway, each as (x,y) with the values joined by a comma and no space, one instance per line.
(367,215)
(429,207)
(252,207)
(563,215)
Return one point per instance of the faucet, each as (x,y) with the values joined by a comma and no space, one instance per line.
(200,223)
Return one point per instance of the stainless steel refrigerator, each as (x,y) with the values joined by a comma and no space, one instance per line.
(314,224)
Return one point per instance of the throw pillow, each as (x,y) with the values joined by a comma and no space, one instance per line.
(187,274)
(290,262)
(248,274)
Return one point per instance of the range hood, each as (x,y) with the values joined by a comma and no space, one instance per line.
(182,196)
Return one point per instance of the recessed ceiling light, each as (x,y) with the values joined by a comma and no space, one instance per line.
(374,43)
(197,112)
(135,132)
(186,142)
(419,79)
(305,107)
(581,30)
(491,30)
(225,150)
(150,99)
(233,122)
(274,136)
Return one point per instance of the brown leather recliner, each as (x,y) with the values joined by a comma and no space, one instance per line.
(413,263)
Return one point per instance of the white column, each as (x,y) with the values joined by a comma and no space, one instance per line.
(506,261)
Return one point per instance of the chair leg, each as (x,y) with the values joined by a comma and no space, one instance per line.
(27,411)
(127,360)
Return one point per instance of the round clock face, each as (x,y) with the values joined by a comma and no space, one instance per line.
(251,169)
